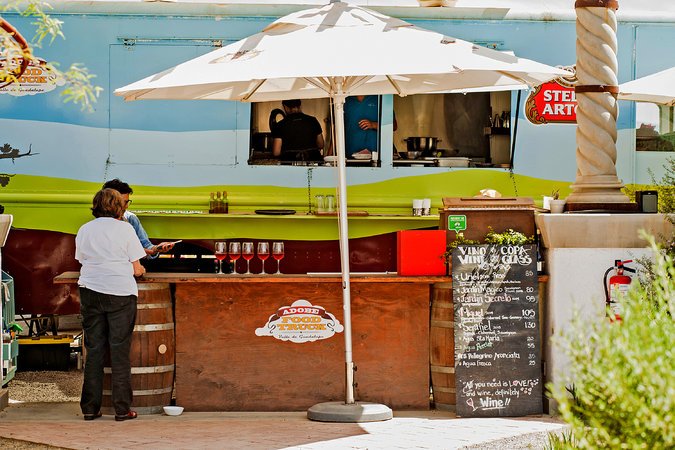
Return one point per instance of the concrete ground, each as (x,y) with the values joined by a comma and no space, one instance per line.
(61,425)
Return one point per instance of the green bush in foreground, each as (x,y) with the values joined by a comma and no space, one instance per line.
(622,374)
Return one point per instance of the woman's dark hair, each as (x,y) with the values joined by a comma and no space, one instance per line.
(108,203)
(119,185)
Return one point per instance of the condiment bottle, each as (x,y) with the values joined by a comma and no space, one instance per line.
(219,203)
(225,204)
(212,204)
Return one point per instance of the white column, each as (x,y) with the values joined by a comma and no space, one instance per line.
(596,66)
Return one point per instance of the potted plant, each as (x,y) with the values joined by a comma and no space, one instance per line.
(556,205)
(508,237)
(547,198)
(459,240)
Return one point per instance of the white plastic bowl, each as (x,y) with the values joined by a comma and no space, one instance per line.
(173,410)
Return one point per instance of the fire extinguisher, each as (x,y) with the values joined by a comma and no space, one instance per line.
(617,286)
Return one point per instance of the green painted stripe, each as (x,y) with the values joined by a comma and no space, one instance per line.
(62,205)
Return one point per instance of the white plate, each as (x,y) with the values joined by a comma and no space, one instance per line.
(330,159)
(361,156)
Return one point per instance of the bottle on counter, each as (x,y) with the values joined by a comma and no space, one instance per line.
(505,119)
(212,203)
(218,203)
(225,205)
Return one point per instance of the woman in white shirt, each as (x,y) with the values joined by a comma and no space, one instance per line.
(109,251)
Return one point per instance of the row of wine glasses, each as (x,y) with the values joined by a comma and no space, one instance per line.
(246,251)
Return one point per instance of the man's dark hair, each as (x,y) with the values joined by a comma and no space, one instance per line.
(119,185)
(291,103)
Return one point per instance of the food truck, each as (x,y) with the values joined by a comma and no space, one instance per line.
(177,154)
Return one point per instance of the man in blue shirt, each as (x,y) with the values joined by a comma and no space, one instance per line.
(151,250)
(361,124)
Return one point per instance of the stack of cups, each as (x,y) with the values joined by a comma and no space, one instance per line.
(330,203)
(426,207)
(320,203)
(421,207)
(417,207)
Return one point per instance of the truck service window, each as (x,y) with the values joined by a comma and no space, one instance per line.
(453,130)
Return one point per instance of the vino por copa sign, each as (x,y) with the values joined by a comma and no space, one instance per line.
(553,102)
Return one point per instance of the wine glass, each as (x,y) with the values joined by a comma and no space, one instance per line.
(263,253)
(247,253)
(278,254)
(221,254)
(235,252)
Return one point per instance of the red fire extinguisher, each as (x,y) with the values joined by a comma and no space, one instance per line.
(616,287)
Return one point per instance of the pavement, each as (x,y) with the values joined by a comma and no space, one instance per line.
(62,425)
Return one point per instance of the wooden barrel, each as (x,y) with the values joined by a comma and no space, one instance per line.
(152,352)
(442,347)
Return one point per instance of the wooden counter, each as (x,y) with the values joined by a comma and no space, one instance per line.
(222,365)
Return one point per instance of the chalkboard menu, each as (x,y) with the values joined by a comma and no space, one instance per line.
(497,345)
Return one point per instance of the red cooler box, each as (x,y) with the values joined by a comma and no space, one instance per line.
(420,252)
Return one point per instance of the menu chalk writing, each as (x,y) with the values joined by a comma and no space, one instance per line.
(497,344)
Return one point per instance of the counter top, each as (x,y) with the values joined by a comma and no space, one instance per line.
(161,277)
(247,215)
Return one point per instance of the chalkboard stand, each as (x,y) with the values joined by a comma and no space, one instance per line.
(497,338)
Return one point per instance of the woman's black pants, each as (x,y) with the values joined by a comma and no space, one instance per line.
(108,322)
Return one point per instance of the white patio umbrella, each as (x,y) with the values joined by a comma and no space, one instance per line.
(656,88)
(336,51)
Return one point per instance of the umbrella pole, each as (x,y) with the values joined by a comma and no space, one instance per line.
(339,102)
(349,411)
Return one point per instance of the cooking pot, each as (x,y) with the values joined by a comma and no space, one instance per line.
(424,144)
(262,142)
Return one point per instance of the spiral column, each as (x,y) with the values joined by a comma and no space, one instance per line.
(596,91)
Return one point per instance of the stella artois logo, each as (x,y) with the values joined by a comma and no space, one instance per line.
(553,102)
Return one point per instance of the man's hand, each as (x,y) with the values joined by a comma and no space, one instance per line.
(366,124)
(163,247)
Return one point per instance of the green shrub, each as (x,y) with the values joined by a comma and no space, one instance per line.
(508,237)
(562,441)
(623,373)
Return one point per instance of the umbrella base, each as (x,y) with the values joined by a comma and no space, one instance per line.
(352,413)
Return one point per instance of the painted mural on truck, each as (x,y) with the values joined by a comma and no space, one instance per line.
(54,157)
